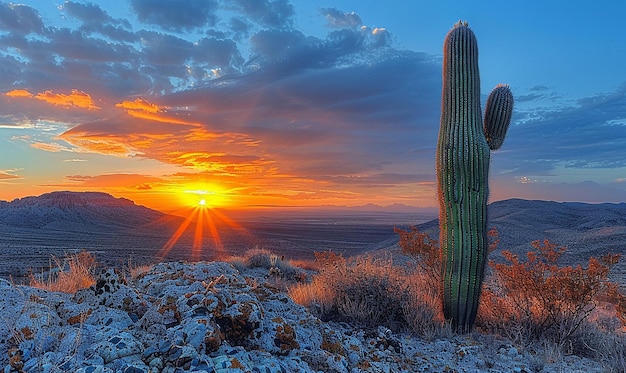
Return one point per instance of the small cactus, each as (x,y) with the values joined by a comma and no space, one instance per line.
(463,153)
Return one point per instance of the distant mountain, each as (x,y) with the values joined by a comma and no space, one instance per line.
(75,211)
(585,229)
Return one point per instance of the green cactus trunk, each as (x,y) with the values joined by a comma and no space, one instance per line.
(463,154)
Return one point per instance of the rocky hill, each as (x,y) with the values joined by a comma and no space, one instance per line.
(75,211)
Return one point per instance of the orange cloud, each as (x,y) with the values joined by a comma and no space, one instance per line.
(8,174)
(141,108)
(139,105)
(202,134)
(49,147)
(101,145)
(19,93)
(121,180)
(220,163)
(76,98)
(144,186)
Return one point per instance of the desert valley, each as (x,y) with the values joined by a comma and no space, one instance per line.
(119,232)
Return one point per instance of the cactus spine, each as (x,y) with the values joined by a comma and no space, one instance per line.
(463,153)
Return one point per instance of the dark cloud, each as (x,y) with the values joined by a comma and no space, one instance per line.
(86,12)
(286,51)
(590,134)
(76,45)
(329,121)
(339,19)
(174,15)
(161,49)
(537,94)
(104,54)
(240,28)
(20,19)
(96,20)
(275,42)
(267,13)
(217,52)
(10,70)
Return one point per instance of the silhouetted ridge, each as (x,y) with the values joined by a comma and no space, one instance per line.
(75,211)
(68,200)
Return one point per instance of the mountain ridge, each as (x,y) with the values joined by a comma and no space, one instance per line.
(585,229)
(75,211)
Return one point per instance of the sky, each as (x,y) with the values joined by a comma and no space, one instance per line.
(248,103)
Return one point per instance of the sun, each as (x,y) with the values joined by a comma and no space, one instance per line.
(202,207)
(203,195)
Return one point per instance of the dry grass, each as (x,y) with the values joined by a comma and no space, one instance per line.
(281,272)
(72,273)
(264,258)
(370,292)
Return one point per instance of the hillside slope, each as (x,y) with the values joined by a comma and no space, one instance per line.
(75,211)
(585,229)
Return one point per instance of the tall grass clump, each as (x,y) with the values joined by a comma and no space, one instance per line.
(74,272)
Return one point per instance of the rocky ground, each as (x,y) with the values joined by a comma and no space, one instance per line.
(209,317)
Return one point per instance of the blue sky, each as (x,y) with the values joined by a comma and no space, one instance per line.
(301,103)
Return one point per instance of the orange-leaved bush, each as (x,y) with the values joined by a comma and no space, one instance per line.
(538,298)
(426,253)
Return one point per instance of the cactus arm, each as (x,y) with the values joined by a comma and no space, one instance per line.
(498,115)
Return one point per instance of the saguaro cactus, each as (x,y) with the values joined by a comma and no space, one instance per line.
(463,153)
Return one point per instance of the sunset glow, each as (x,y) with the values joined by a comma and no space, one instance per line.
(313,106)
(204,222)
(210,198)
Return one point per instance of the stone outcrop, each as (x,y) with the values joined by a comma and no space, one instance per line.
(209,317)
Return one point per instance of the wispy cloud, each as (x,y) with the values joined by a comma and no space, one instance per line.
(9,174)
(117,180)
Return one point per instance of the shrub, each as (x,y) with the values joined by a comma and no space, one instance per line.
(370,292)
(426,253)
(73,273)
(280,269)
(258,258)
(538,299)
